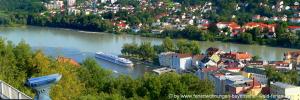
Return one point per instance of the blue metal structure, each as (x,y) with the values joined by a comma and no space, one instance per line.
(42,85)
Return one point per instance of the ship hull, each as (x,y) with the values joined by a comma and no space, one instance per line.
(113,61)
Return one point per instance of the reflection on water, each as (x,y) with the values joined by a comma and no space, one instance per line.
(79,45)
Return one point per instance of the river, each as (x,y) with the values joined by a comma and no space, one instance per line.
(79,45)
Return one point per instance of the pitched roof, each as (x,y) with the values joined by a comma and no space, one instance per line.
(293,53)
(243,55)
(237,55)
(293,27)
(184,55)
(209,69)
(259,24)
(198,56)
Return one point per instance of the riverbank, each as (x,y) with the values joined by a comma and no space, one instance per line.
(111,43)
(216,39)
(139,61)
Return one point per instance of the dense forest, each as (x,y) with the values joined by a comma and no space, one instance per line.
(30,6)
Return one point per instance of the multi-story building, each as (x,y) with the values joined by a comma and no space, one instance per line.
(292,57)
(236,56)
(288,91)
(181,61)
(165,59)
(204,73)
(222,81)
(255,72)
(197,59)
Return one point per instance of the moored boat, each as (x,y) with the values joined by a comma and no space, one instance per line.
(114,59)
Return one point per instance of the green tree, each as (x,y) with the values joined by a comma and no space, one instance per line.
(168,44)
(256,58)
(246,38)
(146,51)
(195,47)
(213,29)
(24,57)
(93,75)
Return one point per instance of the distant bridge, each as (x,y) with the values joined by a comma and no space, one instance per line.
(9,92)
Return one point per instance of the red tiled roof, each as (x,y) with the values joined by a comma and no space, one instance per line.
(294,27)
(209,69)
(184,55)
(255,83)
(260,25)
(233,68)
(237,55)
(243,55)
(122,25)
(67,60)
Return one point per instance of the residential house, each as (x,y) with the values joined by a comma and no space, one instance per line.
(156,31)
(165,58)
(156,24)
(294,28)
(264,18)
(206,61)
(236,56)
(254,87)
(260,25)
(295,20)
(135,29)
(196,59)
(202,21)
(292,57)
(233,69)
(228,63)
(233,27)
(221,81)
(256,63)
(255,72)
(181,61)
(203,26)
(121,25)
(256,17)
(281,65)
(213,51)
(290,92)
(204,73)
(274,18)
(284,18)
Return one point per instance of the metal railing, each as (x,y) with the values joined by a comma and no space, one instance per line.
(9,92)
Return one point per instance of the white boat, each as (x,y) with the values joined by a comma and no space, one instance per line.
(114,59)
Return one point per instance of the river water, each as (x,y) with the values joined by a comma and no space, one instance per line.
(79,45)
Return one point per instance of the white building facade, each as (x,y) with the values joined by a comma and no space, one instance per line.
(181,61)
(165,58)
(289,91)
